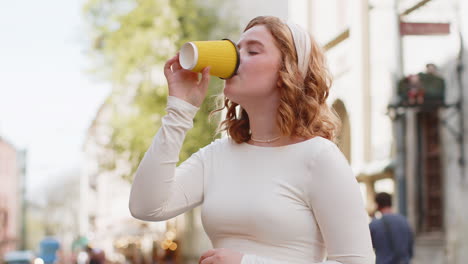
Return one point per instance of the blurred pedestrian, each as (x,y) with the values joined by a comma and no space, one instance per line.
(95,255)
(277,189)
(392,237)
(48,248)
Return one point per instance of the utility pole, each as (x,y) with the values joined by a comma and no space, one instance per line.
(400,124)
(24,204)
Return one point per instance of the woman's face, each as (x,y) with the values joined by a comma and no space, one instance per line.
(259,66)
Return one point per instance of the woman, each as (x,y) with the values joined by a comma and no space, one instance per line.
(277,190)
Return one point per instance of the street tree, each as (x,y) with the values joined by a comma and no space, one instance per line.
(130,42)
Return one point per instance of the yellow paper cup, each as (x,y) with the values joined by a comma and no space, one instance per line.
(221,55)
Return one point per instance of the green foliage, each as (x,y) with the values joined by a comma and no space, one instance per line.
(132,39)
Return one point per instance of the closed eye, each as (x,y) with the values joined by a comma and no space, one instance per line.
(253,52)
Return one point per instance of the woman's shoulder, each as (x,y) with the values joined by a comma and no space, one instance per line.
(318,145)
(221,142)
(216,145)
(219,148)
(320,141)
(322,150)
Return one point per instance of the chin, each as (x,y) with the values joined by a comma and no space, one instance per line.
(228,93)
(230,87)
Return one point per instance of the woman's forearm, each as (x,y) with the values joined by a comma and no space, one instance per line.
(155,183)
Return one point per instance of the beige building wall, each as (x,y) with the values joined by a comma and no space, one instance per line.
(10,202)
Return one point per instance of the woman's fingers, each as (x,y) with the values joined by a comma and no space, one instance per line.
(168,65)
(208,260)
(207,254)
(221,256)
(205,80)
(186,84)
(176,65)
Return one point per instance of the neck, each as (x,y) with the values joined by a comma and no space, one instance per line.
(263,124)
(386,210)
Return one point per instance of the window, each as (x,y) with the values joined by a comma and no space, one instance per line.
(344,136)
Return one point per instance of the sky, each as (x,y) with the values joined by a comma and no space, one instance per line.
(48,98)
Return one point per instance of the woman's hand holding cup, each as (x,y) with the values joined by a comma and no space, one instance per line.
(185,84)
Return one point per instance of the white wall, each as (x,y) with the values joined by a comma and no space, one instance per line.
(384,70)
(248,9)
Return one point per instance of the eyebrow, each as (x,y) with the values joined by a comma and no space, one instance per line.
(251,42)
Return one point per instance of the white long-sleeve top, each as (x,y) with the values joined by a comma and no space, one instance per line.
(297,203)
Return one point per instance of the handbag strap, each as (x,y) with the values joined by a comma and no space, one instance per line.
(390,238)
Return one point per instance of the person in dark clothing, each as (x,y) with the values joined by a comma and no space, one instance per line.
(95,255)
(392,237)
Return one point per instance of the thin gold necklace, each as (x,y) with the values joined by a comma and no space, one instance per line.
(265,140)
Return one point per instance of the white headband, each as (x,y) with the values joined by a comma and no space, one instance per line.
(303,46)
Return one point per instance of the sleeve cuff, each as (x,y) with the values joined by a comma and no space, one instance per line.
(181,104)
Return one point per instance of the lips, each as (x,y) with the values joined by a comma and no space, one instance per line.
(234,75)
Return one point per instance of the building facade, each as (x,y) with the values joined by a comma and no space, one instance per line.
(415,150)
(433,134)
(11,178)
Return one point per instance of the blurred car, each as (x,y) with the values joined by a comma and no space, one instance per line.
(19,257)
